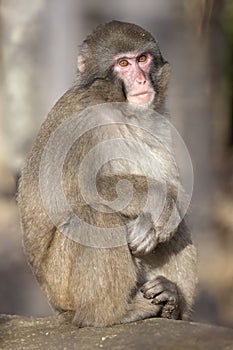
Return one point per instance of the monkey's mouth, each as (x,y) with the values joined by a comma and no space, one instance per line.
(144,97)
(141,93)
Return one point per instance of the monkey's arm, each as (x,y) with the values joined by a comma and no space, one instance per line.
(148,230)
(148,221)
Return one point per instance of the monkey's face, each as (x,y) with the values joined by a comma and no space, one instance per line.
(122,62)
(133,69)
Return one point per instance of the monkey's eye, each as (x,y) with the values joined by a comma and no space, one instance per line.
(142,58)
(123,63)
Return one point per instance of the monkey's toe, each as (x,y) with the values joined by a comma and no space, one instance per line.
(170,311)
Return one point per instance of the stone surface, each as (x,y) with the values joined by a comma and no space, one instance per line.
(50,333)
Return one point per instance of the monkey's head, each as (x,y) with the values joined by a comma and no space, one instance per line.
(129,59)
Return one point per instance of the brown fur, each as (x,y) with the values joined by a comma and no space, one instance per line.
(101,286)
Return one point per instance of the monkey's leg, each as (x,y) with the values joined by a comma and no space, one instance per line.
(140,308)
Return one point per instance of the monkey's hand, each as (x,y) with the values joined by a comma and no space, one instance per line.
(143,236)
(163,292)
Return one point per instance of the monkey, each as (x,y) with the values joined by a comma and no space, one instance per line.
(151,270)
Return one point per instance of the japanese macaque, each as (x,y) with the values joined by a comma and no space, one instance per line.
(148,269)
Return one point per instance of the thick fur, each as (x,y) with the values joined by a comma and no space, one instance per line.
(105,286)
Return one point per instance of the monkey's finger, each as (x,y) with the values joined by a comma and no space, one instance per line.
(138,243)
(153,292)
(144,244)
(159,280)
(143,248)
(165,296)
(141,224)
(160,284)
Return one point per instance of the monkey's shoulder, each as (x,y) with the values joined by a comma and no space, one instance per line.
(66,106)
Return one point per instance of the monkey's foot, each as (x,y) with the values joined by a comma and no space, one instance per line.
(163,292)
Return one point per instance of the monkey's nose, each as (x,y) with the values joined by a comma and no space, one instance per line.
(141,81)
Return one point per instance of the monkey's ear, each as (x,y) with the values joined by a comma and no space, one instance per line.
(81,64)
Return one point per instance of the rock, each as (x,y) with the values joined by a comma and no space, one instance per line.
(50,333)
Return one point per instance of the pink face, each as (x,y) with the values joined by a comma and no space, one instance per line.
(134,71)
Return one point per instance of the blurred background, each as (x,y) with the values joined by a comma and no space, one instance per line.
(39,42)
